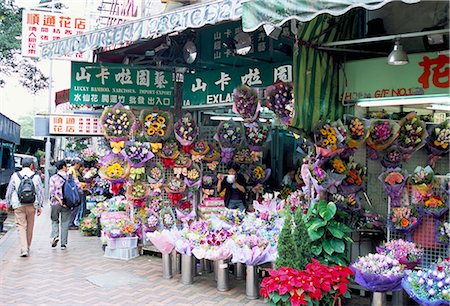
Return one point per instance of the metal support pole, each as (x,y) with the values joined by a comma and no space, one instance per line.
(239,271)
(379,299)
(187,277)
(176,262)
(167,266)
(251,283)
(48,144)
(223,279)
(399,298)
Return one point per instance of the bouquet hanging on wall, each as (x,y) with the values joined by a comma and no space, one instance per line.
(421,182)
(243,156)
(435,204)
(392,158)
(258,174)
(256,135)
(114,168)
(175,187)
(199,150)
(193,178)
(394,181)
(186,131)
(357,130)
(155,177)
(350,202)
(246,103)
(213,154)
(229,135)
(280,100)
(118,123)
(167,219)
(137,153)
(404,219)
(354,178)
(412,134)
(169,152)
(157,127)
(137,191)
(337,165)
(181,165)
(438,142)
(328,139)
(382,134)
(443,232)
(209,183)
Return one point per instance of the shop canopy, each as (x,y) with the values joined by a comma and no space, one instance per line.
(256,13)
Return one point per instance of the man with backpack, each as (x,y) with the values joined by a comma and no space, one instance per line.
(25,194)
(64,196)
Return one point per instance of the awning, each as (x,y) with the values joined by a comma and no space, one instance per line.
(192,16)
(256,13)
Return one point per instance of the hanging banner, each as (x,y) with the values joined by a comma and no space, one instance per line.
(111,84)
(73,125)
(192,16)
(426,73)
(39,27)
(211,88)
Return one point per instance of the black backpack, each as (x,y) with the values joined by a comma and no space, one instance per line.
(26,191)
(71,196)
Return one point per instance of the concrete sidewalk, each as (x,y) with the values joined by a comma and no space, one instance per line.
(80,275)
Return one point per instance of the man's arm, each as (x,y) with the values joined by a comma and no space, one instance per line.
(9,191)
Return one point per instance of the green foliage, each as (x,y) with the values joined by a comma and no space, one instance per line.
(286,246)
(302,241)
(328,235)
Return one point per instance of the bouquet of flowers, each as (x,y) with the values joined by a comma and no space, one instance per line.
(228,219)
(214,246)
(318,284)
(438,142)
(353,181)
(164,240)
(434,204)
(378,272)
(327,139)
(256,135)
(193,179)
(430,286)
(404,219)
(154,205)
(157,126)
(209,183)
(186,131)
(213,154)
(337,165)
(152,222)
(421,183)
(185,212)
(117,122)
(357,130)
(394,181)
(382,134)
(392,158)
(137,153)
(199,150)
(89,226)
(258,174)
(412,133)
(319,178)
(443,232)
(137,191)
(192,235)
(229,136)
(120,227)
(114,168)
(169,150)
(349,201)
(246,103)
(407,253)
(181,165)
(175,185)
(280,100)
(254,249)
(155,177)
(243,156)
(167,218)
(297,199)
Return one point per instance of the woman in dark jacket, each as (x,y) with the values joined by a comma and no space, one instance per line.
(234,184)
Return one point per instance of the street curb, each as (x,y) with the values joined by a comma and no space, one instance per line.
(6,242)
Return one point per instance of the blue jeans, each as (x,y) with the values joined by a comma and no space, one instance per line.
(236,204)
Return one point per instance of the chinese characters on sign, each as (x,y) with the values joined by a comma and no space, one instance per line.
(39,27)
(75,125)
(441,71)
(111,84)
(216,87)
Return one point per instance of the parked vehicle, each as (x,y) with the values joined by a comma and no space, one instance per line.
(9,138)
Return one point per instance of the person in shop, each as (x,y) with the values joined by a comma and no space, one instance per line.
(289,179)
(27,205)
(77,171)
(60,213)
(234,185)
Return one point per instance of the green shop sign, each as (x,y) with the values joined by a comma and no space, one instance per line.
(211,88)
(111,84)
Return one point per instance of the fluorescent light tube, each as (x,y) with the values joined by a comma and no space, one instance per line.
(408,100)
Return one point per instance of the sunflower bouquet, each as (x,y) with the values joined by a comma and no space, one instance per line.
(328,139)
(114,168)
(258,174)
(357,130)
(256,135)
(382,134)
(157,125)
(186,130)
(438,142)
(404,219)
(412,133)
(246,103)
(229,135)
(280,100)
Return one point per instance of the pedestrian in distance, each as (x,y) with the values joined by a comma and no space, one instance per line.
(235,185)
(61,211)
(25,195)
(77,171)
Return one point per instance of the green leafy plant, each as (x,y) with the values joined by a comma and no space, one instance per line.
(302,241)
(328,235)
(286,255)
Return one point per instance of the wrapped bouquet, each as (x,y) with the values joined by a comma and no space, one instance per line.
(114,168)
(280,100)
(412,134)
(349,201)
(246,103)
(117,122)
(258,174)
(243,156)
(443,232)
(155,177)
(157,127)
(438,142)
(357,130)
(394,181)
(169,152)
(353,181)
(186,131)
(407,253)
(254,248)
(163,240)
(137,153)
(209,183)
(185,211)
(229,135)
(214,245)
(392,158)
(167,219)
(435,204)
(193,178)
(421,183)
(256,135)
(199,150)
(328,140)
(181,165)
(137,191)
(404,219)
(382,134)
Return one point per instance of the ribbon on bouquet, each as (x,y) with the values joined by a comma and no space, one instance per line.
(116,187)
(180,171)
(187,149)
(207,192)
(212,165)
(117,146)
(139,203)
(136,173)
(175,197)
(156,188)
(156,146)
(256,156)
(168,163)
(197,158)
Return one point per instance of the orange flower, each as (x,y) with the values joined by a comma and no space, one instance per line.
(434,201)
(394,178)
(404,222)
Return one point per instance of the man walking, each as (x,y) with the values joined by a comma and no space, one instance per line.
(25,194)
(58,207)
(76,171)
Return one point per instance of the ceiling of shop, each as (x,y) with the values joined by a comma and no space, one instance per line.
(394,18)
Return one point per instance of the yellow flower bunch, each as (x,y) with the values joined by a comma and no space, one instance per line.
(259,173)
(155,124)
(115,170)
(329,138)
(193,174)
(338,165)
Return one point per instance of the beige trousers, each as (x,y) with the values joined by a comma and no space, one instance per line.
(24,217)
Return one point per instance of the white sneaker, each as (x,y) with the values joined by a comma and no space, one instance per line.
(24,254)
